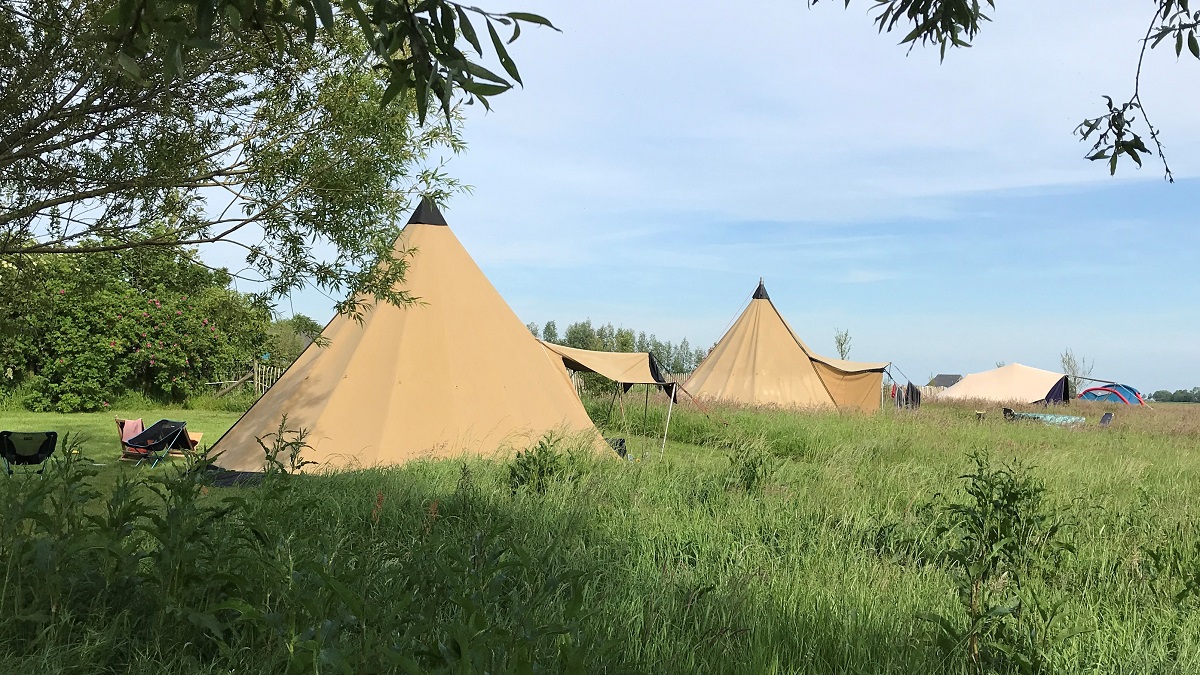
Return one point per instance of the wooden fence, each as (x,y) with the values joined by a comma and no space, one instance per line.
(257,375)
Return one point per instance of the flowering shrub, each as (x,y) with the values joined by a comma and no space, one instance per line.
(89,330)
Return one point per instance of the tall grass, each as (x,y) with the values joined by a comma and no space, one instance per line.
(678,565)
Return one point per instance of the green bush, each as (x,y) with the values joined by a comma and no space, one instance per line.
(535,468)
(82,331)
(751,464)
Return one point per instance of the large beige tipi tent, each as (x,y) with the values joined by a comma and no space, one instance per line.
(455,373)
(1013,383)
(761,361)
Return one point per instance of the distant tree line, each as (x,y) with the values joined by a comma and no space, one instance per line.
(672,358)
(1180,396)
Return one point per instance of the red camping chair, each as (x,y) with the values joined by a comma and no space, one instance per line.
(128,429)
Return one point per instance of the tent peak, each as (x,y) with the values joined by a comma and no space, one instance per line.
(760,293)
(427,213)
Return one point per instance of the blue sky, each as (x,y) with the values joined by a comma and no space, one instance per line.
(663,156)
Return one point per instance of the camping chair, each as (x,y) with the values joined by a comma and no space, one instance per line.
(131,428)
(1106,419)
(26,448)
(157,441)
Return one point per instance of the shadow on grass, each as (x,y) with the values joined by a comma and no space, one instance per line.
(433,567)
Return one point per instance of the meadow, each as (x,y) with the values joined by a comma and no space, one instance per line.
(758,542)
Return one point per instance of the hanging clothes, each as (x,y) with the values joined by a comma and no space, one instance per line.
(912,396)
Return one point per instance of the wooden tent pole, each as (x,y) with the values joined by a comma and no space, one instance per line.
(646,410)
(666,427)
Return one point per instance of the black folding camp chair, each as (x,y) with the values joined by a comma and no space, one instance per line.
(156,441)
(22,448)
(1106,419)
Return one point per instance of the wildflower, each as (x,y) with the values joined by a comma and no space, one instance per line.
(118,316)
(433,516)
(204,322)
(62,291)
(179,312)
(105,404)
(113,343)
(151,361)
(378,510)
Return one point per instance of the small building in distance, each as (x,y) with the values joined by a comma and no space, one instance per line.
(943,380)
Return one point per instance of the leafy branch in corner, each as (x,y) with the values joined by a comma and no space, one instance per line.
(1113,134)
(419,44)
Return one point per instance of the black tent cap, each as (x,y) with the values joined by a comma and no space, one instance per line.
(761,292)
(427,214)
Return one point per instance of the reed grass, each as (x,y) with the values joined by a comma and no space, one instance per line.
(671,565)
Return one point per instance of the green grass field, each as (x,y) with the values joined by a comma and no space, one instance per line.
(653,566)
(97,432)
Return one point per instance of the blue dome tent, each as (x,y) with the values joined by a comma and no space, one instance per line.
(1113,393)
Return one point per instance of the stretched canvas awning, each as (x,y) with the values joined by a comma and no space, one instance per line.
(1008,384)
(624,367)
(761,361)
(457,372)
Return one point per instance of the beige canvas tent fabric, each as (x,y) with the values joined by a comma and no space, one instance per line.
(761,361)
(625,367)
(1007,384)
(853,390)
(456,373)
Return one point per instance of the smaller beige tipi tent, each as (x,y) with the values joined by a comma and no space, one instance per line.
(455,373)
(1013,383)
(761,361)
